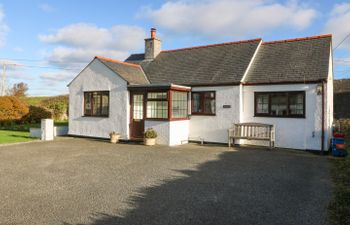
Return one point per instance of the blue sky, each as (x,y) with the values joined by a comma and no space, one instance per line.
(48,42)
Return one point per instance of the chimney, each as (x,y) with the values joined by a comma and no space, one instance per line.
(152,45)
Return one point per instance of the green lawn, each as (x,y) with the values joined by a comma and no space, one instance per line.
(7,136)
(25,127)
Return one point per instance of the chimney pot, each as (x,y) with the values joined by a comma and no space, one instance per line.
(152,46)
(153,33)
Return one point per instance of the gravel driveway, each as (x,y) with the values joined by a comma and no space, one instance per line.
(83,181)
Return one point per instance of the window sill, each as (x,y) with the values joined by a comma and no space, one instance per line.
(96,116)
(166,119)
(290,117)
(202,114)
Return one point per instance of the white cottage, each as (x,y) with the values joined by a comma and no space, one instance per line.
(197,93)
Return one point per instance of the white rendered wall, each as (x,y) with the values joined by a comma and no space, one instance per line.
(97,77)
(329,103)
(179,132)
(214,128)
(170,132)
(47,133)
(162,129)
(296,133)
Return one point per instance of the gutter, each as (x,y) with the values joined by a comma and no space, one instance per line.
(322,132)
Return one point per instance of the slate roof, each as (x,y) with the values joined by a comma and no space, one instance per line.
(132,73)
(288,61)
(204,65)
(135,58)
(294,60)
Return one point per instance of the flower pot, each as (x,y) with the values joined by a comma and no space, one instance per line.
(149,141)
(115,138)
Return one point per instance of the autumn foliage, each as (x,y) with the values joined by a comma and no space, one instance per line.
(12,109)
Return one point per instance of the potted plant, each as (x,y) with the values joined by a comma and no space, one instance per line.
(114,137)
(150,137)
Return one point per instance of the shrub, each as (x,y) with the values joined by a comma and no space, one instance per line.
(12,110)
(36,113)
(150,133)
(58,105)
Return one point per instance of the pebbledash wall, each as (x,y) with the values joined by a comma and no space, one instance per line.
(170,132)
(296,133)
(97,77)
(214,128)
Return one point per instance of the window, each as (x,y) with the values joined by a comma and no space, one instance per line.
(157,105)
(179,104)
(280,104)
(203,103)
(96,103)
(137,106)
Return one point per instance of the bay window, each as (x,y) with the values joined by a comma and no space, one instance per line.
(179,104)
(167,105)
(157,105)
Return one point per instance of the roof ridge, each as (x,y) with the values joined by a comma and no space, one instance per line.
(298,39)
(117,61)
(212,45)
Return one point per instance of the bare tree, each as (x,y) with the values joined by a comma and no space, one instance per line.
(19,89)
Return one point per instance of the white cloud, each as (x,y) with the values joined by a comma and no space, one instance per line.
(77,43)
(57,76)
(215,18)
(338,24)
(4,29)
(46,7)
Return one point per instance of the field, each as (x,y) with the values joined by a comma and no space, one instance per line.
(34,100)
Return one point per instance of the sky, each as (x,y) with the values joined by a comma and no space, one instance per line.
(47,43)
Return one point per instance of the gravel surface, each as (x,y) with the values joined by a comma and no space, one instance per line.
(84,181)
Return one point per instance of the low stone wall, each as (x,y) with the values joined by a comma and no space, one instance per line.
(60,131)
(35,132)
(57,131)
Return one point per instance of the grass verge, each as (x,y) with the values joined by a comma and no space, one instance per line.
(339,207)
(25,127)
(7,136)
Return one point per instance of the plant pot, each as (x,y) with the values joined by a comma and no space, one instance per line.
(115,138)
(149,141)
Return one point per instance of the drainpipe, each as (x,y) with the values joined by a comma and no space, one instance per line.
(322,132)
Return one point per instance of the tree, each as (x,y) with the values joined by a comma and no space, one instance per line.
(19,90)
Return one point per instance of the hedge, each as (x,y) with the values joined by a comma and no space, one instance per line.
(36,113)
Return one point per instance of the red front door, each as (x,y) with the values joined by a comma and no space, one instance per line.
(137,120)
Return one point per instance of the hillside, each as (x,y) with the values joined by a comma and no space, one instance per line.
(342,85)
(342,98)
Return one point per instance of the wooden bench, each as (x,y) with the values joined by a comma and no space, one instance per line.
(252,131)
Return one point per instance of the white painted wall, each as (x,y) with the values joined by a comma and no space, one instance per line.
(179,132)
(329,103)
(170,132)
(97,77)
(214,128)
(46,128)
(297,133)
(162,128)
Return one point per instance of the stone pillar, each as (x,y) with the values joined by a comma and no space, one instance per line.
(47,130)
